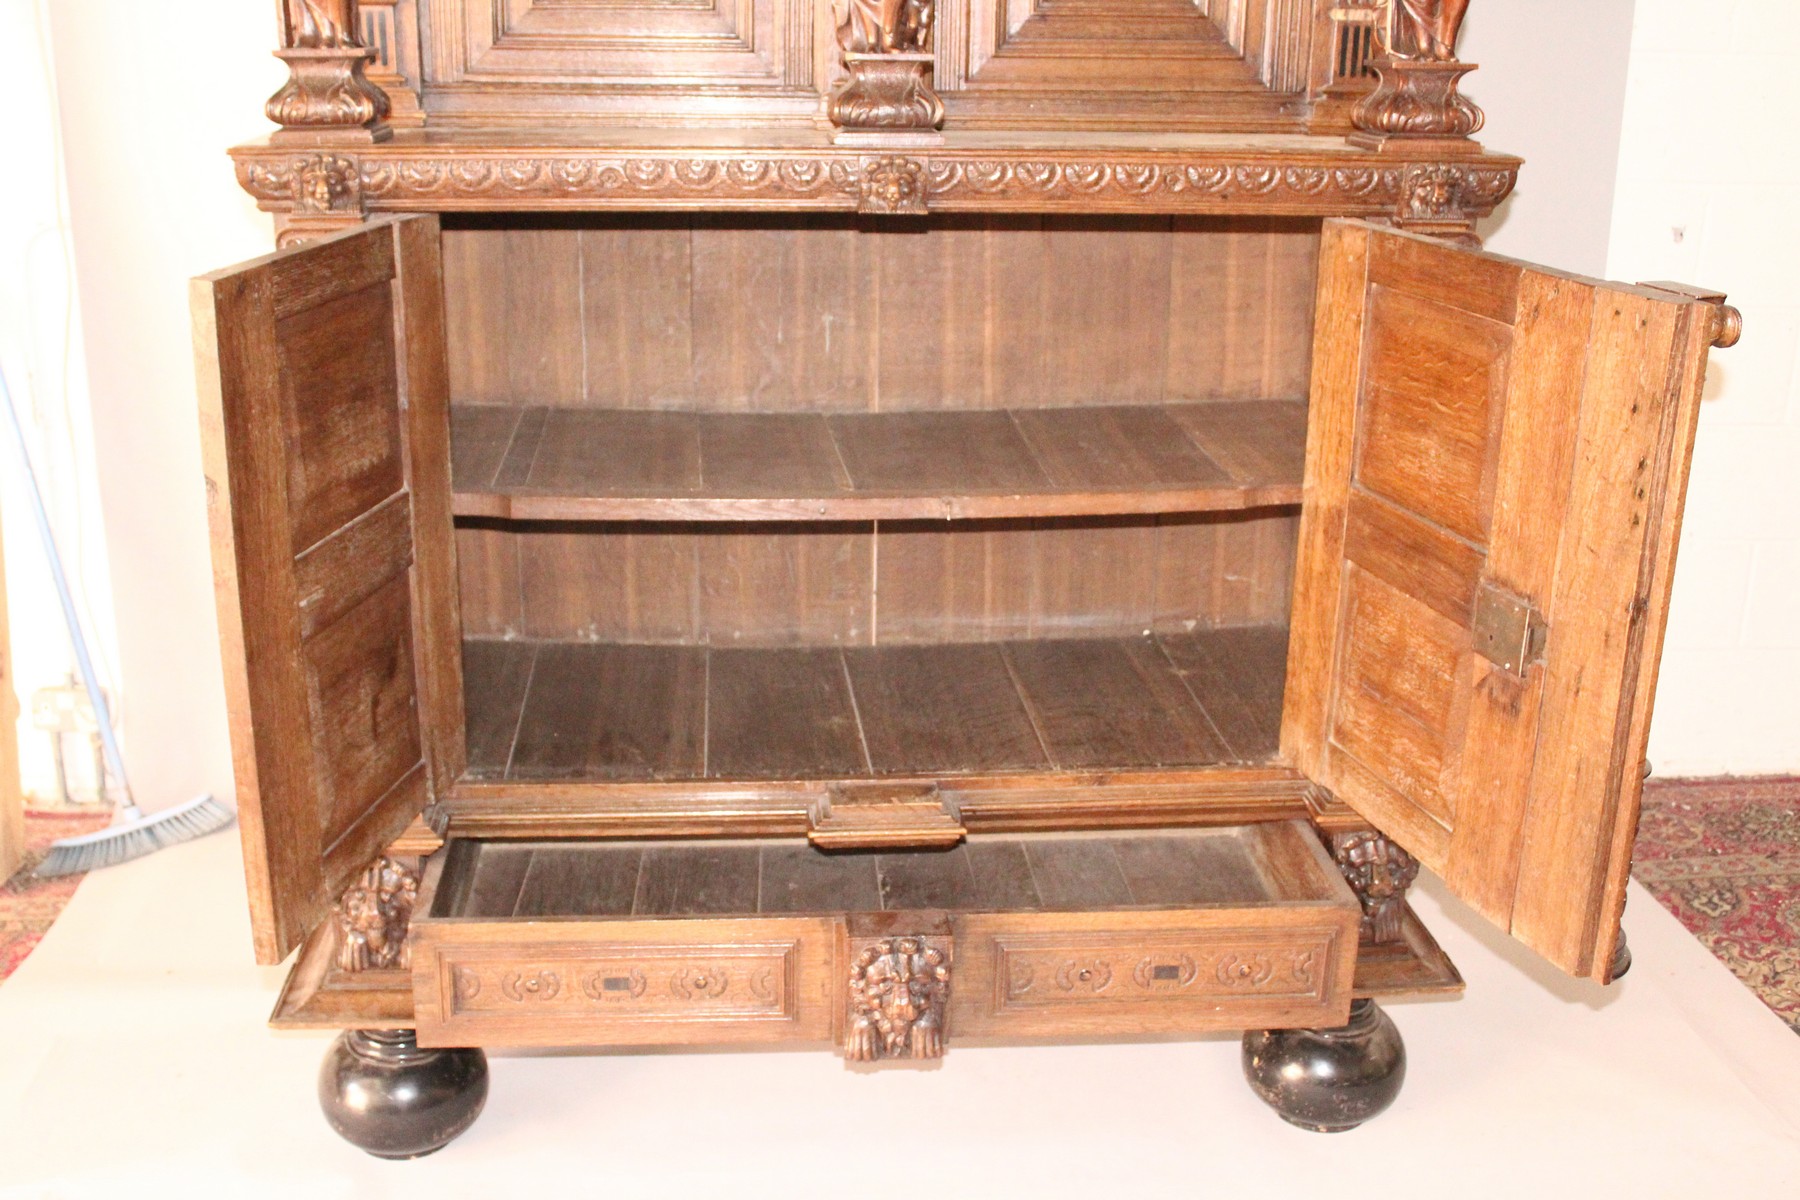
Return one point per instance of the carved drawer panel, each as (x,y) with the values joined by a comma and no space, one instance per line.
(567,983)
(1161,972)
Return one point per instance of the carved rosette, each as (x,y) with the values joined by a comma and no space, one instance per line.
(899,991)
(373,917)
(1379,872)
(885,94)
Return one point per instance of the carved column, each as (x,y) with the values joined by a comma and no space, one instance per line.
(328,99)
(1417,102)
(1379,872)
(898,989)
(887,97)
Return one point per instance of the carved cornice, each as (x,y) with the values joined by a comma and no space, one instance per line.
(401,179)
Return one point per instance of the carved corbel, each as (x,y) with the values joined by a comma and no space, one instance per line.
(892,187)
(374,915)
(325,194)
(886,98)
(898,992)
(1416,100)
(327,99)
(1379,872)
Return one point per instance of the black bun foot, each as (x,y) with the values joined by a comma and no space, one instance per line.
(385,1095)
(1328,1080)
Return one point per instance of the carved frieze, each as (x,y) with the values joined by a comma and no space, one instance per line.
(1405,191)
(899,989)
(1036,972)
(1379,872)
(373,917)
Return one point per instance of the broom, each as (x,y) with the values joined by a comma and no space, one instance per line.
(132,833)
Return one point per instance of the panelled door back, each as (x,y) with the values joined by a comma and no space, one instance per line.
(1494,482)
(325,425)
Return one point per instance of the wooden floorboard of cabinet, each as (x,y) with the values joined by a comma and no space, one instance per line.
(570,712)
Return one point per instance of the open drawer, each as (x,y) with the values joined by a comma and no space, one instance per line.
(568,943)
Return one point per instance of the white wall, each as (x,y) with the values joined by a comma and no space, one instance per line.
(1552,82)
(1709,193)
(150,97)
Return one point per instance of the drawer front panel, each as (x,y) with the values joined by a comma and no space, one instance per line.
(1160,974)
(642,983)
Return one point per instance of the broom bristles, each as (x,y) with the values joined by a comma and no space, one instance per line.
(134,838)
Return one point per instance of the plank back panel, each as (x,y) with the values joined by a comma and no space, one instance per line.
(1494,468)
(326,436)
(849,584)
(821,313)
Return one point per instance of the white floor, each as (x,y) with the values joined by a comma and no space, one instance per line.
(134,1061)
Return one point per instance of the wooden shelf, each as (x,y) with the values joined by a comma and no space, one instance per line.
(572,464)
(569,712)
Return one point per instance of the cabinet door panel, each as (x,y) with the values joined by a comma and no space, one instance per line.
(1494,482)
(325,428)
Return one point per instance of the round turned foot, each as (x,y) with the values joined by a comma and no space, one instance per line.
(1621,959)
(383,1094)
(1328,1080)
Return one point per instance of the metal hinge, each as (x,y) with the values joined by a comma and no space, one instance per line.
(1509,632)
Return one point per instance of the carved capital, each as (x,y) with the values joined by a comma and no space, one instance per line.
(327,96)
(1416,100)
(899,991)
(373,917)
(886,94)
(1379,872)
(1416,94)
(892,186)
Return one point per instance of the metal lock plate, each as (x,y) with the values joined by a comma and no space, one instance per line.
(1508,631)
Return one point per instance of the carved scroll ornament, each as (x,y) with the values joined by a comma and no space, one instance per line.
(1379,872)
(899,989)
(373,917)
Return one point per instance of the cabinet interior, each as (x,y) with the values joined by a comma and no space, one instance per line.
(765,498)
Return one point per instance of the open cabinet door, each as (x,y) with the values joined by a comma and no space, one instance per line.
(325,429)
(1494,481)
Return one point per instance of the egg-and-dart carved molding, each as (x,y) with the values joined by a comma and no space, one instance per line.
(397,182)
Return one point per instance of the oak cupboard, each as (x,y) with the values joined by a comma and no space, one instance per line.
(917,524)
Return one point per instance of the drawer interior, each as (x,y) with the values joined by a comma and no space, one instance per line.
(1267,864)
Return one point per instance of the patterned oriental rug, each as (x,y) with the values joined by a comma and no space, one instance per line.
(1723,855)
(28,906)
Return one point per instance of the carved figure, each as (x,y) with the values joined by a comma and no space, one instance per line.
(898,991)
(1379,872)
(887,26)
(321,24)
(373,917)
(1427,29)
